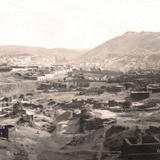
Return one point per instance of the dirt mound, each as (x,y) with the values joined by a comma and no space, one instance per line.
(115,136)
(115,129)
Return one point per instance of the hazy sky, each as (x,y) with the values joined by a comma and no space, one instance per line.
(74,23)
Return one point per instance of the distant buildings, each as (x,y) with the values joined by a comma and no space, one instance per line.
(76,80)
(5,68)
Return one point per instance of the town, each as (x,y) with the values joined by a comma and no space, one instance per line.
(78,113)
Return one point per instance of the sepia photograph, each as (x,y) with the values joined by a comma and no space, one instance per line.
(80,80)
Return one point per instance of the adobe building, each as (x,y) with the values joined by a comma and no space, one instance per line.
(139,95)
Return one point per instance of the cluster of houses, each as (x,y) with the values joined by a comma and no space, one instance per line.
(40,73)
(145,92)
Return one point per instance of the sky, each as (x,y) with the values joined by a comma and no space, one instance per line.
(74,23)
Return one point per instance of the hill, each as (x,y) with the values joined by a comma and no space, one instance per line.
(132,50)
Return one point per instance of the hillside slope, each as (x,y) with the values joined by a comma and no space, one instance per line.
(131,50)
